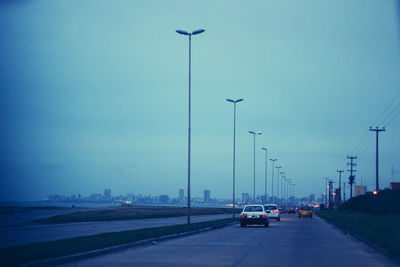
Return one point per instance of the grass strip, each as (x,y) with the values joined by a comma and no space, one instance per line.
(17,255)
(129,213)
(380,229)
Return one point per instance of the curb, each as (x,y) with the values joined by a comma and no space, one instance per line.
(363,240)
(97,252)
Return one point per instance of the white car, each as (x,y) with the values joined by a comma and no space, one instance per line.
(273,211)
(254,214)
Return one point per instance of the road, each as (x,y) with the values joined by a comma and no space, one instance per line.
(290,242)
(32,233)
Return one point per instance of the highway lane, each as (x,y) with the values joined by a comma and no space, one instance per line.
(290,242)
(19,235)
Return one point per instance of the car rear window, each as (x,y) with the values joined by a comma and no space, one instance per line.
(271,207)
(305,208)
(253,209)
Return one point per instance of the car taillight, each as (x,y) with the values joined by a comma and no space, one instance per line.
(310,211)
(243,216)
(263,216)
(288,210)
(276,211)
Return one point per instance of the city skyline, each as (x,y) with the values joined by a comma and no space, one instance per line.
(94,95)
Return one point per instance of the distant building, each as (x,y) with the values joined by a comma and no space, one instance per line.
(181,195)
(359,190)
(107,193)
(245,197)
(164,199)
(207,194)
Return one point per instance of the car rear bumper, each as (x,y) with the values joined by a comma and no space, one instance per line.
(273,215)
(253,220)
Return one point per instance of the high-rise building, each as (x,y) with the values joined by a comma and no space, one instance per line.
(245,197)
(207,194)
(181,195)
(107,193)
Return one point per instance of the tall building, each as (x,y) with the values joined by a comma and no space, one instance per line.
(245,197)
(207,194)
(107,193)
(181,195)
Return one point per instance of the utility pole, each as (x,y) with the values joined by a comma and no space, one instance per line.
(330,194)
(352,177)
(340,182)
(377,130)
(326,190)
(344,191)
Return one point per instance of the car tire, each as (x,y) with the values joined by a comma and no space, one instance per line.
(266,225)
(242,225)
(279,219)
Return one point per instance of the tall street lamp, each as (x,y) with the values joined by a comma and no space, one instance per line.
(277,185)
(254,164)
(272,186)
(189,127)
(266,163)
(282,180)
(234,149)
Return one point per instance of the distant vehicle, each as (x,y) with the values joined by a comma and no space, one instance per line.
(291,210)
(305,212)
(273,211)
(254,214)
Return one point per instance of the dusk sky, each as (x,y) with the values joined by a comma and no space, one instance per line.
(94,94)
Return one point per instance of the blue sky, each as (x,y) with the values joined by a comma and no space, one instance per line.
(94,94)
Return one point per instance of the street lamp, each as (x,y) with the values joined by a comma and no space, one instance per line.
(189,127)
(254,164)
(234,149)
(282,181)
(272,187)
(266,163)
(277,185)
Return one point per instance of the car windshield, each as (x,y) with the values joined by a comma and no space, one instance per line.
(253,209)
(271,207)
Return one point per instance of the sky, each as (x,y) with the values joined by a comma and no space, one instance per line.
(94,95)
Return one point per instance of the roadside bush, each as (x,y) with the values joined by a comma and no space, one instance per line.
(386,201)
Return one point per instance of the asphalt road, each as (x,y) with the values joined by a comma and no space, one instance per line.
(32,233)
(290,242)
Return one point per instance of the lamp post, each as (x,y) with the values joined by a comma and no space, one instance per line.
(282,196)
(189,127)
(234,150)
(272,186)
(266,163)
(254,164)
(277,185)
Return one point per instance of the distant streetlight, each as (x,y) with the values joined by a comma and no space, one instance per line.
(266,163)
(282,181)
(254,164)
(234,149)
(277,185)
(189,127)
(272,186)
